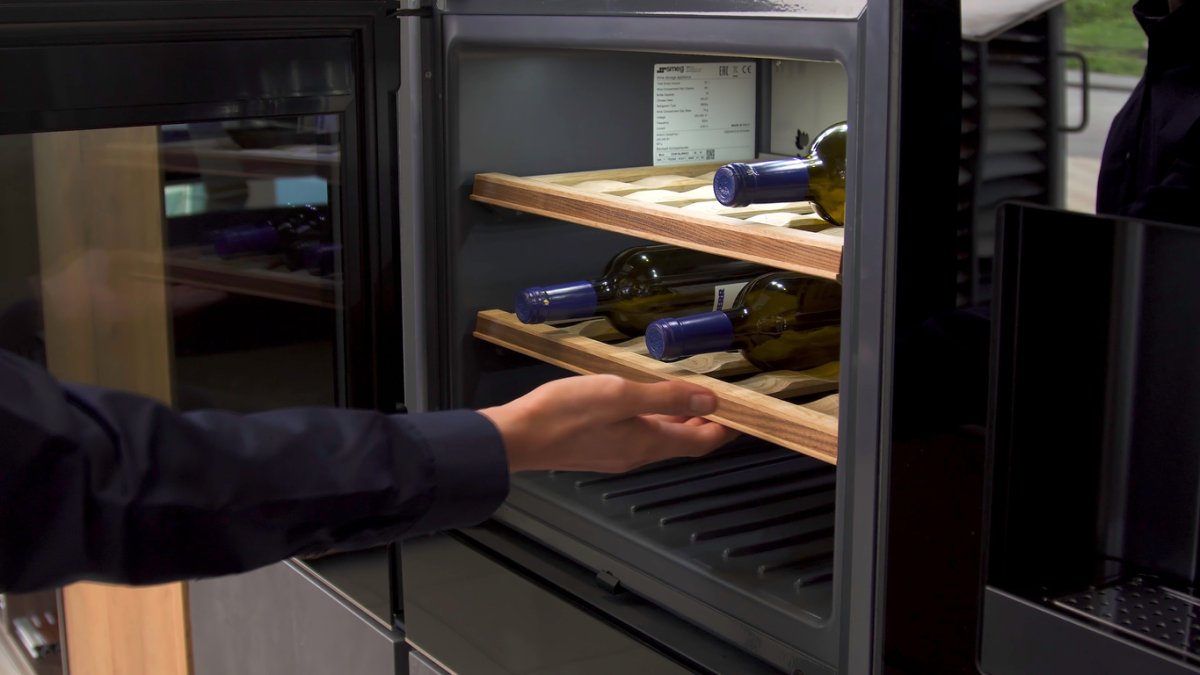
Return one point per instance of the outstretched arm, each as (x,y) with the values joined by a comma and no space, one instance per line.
(104,485)
(97,484)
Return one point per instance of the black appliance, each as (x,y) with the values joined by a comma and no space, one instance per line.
(1094,463)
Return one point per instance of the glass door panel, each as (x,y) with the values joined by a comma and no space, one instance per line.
(254,261)
(199,264)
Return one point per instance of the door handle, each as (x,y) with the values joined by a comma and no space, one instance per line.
(1084,88)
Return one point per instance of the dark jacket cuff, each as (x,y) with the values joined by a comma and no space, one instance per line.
(470,468)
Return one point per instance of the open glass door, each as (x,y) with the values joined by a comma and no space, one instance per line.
(197,264)
(201,215)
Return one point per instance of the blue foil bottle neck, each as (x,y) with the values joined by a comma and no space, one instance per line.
(574,300)
(783,180)
(321,259)
(697,334)
(241,240)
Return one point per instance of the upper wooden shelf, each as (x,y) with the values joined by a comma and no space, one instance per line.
(675,205)
(750,403)
(208,158)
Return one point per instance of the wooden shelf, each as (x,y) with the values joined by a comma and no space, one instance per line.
(216,158)
(263,163)
(674,205)
(751,404)
(260,276)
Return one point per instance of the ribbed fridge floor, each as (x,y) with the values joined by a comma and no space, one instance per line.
(746,530)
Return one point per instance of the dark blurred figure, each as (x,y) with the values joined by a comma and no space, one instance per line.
(1151,163)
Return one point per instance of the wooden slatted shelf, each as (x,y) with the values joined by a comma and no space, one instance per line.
(674,205)
(752,405)
(205,157)
(260,276)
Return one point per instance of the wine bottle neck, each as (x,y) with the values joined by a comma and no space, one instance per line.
(239,240)
(784,180)
(685,336)
(571,300)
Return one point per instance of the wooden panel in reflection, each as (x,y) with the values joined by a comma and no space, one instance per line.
(106,323)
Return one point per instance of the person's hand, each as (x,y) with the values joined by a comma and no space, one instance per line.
(606,423)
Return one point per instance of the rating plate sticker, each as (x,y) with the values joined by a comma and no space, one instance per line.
(703,112)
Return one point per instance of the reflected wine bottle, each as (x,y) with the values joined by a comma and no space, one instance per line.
(320,259)
(249,240)
(304,237)
(303,234)
(640,285)
(819,178)
(780,321)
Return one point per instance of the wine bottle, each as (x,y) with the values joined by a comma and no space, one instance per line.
(303,236)
(640,285)
(780,321)
(302,233)
(320,259)
(248,240)
(819,178)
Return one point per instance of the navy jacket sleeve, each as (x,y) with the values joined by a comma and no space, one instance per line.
(101,485)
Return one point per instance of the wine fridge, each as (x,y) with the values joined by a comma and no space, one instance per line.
(552,137)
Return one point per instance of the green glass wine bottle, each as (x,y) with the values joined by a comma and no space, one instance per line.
(780,321)
(640,285)
(819,178)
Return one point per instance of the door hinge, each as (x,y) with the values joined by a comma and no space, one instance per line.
(406,8)
(609,582)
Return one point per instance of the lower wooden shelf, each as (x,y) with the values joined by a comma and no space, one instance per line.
(258,276)
(752,404)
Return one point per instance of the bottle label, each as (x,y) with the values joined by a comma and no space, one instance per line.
(703,112)
(725,294)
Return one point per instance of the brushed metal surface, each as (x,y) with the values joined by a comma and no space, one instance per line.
(280,621)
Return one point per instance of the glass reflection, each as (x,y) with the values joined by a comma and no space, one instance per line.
(200,263)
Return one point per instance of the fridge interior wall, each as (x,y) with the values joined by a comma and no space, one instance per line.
(528,111)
